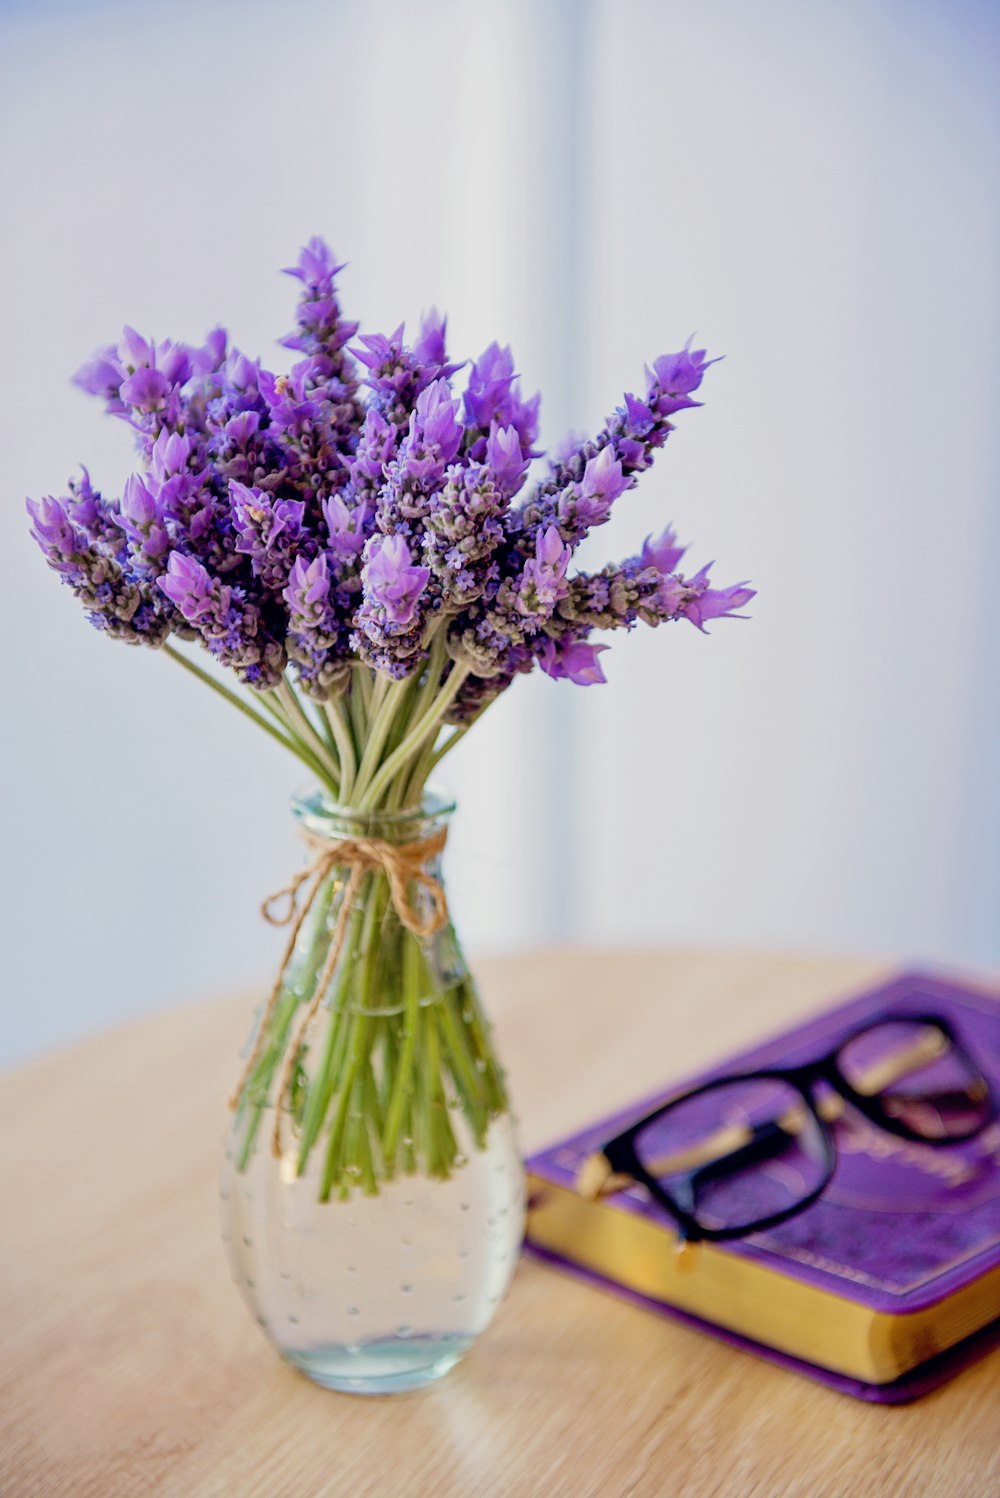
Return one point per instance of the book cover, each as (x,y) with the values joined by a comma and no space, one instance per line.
(883,1287)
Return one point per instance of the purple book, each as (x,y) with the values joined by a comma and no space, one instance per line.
(882,1288)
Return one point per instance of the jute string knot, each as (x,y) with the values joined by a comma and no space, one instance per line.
(404,866)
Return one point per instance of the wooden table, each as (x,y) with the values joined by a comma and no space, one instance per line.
(130,1365)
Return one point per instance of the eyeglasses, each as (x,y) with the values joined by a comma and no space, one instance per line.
(746,1152)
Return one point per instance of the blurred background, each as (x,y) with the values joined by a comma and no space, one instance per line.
(810,188)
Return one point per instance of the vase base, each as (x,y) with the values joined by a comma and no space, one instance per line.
(387,1367)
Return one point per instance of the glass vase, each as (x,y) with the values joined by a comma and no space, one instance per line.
(372,1190)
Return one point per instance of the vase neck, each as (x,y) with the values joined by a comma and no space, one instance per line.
(324,818)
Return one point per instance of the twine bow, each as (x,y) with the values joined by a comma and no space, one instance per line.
(404,867)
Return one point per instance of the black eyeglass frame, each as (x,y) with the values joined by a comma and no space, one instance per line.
(623,1158)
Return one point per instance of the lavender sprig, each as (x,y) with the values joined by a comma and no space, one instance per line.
(230,626)
(114,600)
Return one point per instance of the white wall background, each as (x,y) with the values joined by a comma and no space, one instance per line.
(811,187)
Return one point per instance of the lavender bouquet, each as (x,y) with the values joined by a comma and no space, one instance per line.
(362,550)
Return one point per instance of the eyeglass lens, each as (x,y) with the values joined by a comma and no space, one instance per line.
(916,1076)
(737,1152)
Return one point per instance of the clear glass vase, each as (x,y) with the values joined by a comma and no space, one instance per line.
(372,1190)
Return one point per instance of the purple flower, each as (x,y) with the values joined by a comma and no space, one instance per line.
(242,428)
(489,387)
(347,528)
(115,602)
(573,661)
(630,438)
(391,581)
(639,418)
(623,593)
(673,378)
(703,602)
(390,626)
(237,447)
(174,361)
(317,633)
(138,504)
(432,440)
(134,351)
(397,375)
(316,266)
(376,447)
(663,553)
(270,532)
(435,422)
(229,625)
(493,396)
(97,517)
(430,349)
(144,523)
(383,352)
(430,345)
(307,410)
(505,459)
(191,590)
(240,378)
(543,580)
(147,390)
(582,506)
(101,375)
(322,329)
(151,373)
(53,530)
(212,354)
(615,598)
(393,373)
(463,529)
(603,479)
(169,455)
(308,588)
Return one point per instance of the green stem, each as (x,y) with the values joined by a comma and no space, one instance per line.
(332,1169)
(323,1083)
(379,690)
(439,1138)
(448,744)
(468,1080)
(428,723)
(289,698)
(404,1067)
(362,683)
(327,735)
(288,740)
(385,701)
(358,717)
(340,729)
(299,984)
(411,792)
(437,660)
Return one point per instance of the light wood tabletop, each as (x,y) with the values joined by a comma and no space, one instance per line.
(131,1366)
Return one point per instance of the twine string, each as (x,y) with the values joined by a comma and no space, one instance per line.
(403,865)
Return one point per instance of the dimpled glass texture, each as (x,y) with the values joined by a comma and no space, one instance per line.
(377,1293)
